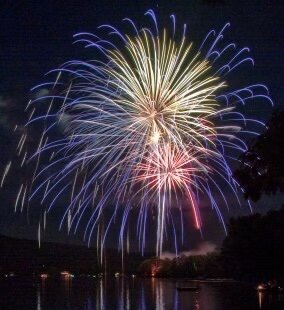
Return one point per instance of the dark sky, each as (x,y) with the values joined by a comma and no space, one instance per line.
(36,36)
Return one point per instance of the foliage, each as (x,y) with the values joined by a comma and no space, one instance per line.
(253,248)
(262,165)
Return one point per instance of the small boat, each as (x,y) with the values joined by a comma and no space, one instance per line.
(188,288)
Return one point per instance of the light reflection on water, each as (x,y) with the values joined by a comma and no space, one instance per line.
(126,294)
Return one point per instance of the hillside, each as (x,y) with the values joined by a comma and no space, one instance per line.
(25,257)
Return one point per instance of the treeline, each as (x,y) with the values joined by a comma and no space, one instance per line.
(200,266)
(253,250)
(254,247)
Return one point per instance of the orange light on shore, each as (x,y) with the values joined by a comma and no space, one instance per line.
(154,270)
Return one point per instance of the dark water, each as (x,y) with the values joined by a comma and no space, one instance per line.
(120,294)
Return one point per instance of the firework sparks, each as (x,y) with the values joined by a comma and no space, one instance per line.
(151,122)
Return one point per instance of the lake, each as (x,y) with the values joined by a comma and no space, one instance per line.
(130,293)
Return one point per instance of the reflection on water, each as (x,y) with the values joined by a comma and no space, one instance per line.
(127,293)
(270,300)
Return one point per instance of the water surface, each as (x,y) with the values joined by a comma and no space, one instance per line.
(127,293)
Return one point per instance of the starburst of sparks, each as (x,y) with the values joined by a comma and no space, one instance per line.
(152,122)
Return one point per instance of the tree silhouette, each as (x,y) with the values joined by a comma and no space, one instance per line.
(262,166)
(253,249)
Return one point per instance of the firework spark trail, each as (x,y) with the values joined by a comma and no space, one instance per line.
(152,122)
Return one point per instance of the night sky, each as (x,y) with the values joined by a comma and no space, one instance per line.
(36,36)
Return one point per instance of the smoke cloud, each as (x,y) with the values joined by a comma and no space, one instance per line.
(203,248)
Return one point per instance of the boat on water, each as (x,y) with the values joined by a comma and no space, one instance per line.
(188,288)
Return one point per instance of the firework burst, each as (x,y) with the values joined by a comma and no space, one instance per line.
(151,123)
